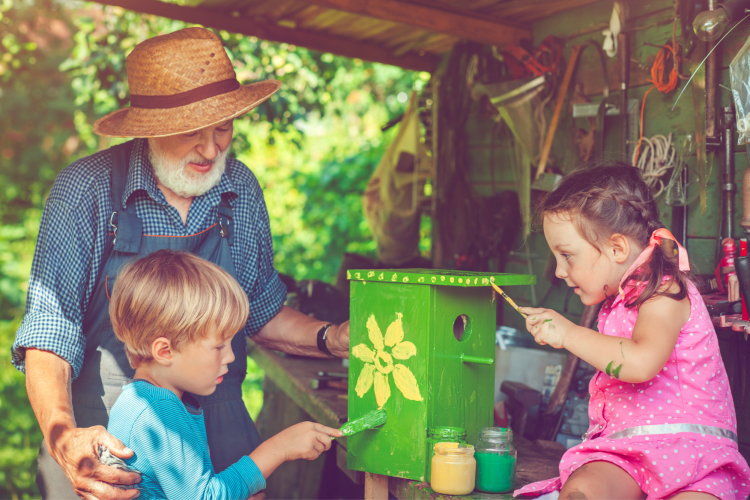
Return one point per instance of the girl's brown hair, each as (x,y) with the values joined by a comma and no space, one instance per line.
(175,295)
(609,199)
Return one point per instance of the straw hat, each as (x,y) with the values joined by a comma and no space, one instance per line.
(180,83)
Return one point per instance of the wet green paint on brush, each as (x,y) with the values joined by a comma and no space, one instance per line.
(370,420)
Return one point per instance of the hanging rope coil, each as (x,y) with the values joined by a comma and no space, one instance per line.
(658,70)
(657,159)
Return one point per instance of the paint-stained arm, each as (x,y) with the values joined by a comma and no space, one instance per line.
(635,360)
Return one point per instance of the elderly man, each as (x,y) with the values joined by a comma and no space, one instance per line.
(173,187)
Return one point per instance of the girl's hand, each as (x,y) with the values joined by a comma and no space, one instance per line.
(547,326)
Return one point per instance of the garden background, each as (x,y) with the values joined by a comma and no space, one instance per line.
(313,147)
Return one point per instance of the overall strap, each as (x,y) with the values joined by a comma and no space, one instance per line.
(226,214)
(127,226)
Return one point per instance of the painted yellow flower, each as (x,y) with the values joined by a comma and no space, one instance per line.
(379,362)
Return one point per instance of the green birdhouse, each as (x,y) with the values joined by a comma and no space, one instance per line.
(422,347)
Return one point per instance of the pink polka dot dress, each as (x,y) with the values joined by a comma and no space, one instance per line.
(674,433)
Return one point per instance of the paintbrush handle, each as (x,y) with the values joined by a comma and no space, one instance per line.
(505,296)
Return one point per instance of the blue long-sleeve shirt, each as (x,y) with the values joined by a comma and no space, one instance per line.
(168,438)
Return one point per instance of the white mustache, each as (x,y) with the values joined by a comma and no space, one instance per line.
(178,177)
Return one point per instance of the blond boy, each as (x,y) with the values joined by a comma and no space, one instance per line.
(176,314)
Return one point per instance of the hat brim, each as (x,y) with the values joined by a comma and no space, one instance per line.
(144,123)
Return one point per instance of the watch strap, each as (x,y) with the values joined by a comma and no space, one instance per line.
(322,333)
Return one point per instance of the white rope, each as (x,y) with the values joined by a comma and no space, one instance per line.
(657,156)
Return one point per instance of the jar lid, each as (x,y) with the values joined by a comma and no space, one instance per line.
(496,432)
(446,433)
(444,448)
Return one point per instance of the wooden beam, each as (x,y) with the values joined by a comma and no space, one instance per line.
(376,487)
(313,40)
(468,26)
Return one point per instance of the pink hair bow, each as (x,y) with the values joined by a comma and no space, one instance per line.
(656,236)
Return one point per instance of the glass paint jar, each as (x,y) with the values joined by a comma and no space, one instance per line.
(454,469)
(437,435)
(496,460)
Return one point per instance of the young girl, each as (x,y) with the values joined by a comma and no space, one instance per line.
(662,420)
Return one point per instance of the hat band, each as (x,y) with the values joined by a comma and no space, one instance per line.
(184,98)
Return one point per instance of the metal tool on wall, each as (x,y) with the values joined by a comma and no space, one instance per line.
(603,108)
(728,186)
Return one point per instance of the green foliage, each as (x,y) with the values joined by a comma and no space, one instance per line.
(252,388)
(313,147)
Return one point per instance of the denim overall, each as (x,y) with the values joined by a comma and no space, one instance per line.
(230,430)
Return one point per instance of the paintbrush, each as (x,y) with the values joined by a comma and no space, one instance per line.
(370,420)
(505,296)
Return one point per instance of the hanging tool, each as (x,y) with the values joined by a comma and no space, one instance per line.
(562,92)
(593,140)
(713,140)
(728,187)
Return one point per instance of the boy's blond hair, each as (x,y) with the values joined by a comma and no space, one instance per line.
(175,295)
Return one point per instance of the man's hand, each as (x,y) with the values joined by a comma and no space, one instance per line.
(338,340)
(76,450)
(547,326)
(48,384)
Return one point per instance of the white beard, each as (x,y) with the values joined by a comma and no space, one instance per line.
(181,179)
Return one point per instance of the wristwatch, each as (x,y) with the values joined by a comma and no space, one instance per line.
(322,334)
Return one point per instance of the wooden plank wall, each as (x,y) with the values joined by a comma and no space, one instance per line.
(653,22)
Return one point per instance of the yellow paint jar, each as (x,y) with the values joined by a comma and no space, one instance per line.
(453,469)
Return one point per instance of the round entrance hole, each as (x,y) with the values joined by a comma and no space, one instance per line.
(460,326)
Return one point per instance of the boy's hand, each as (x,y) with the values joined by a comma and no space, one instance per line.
(547,326)
(306,440)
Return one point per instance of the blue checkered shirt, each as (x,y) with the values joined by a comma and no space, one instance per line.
(73,233)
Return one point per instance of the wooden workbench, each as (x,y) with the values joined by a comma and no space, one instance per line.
(292,375)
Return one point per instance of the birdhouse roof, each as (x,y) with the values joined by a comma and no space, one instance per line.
(440,277)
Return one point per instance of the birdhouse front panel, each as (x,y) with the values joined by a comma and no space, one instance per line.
(388,369)
(422,349)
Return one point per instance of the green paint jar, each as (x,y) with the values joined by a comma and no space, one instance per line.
(437,435)
(496,457)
